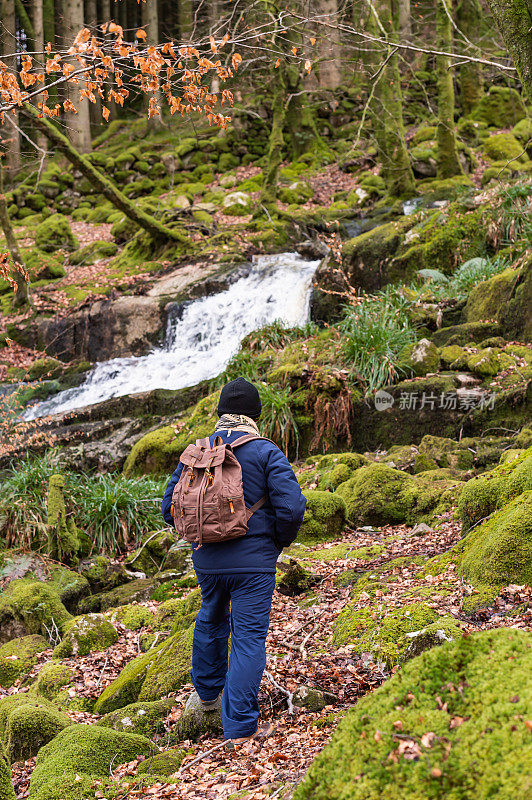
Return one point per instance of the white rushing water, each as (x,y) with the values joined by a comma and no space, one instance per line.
(201,342)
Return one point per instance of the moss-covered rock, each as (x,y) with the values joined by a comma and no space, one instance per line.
(465,333)
(103,574)
(55,234)
(488,300)
(32,605)
(160,552)
(237,204)
(159,451)
(69,585)
(177,614)
(146,719)
(420,358)
(444,630)
(151,675)
(383,635)
(523,131)
(45,367)
(164,764)
(195,722)
(52,678)
(504,147)
(501,107)
(380,495)
(85,634)
(437,749)
(486,493)
(489,362)
(67,766)
(499,551)
(133,616)
(6,787)
(95,251)
(18,656)
(325,515)
(26,724)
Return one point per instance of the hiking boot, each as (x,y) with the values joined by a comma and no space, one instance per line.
(264,730)
(209,705)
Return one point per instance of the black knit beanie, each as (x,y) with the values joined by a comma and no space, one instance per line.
(240,397)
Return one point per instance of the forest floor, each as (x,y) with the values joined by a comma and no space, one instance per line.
(300,652)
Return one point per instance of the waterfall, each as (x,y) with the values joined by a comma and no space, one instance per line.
(199,344)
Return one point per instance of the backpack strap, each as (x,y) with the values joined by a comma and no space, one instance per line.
(255,507)
(249,437)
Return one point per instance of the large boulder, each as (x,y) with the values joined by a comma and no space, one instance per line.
(69,764)
(29,606)
(28,723)
(195,722)
(398,742)
(84,634)
(55,234)
(18,656)
(501,107)
(151,675)
(6,787)
(325,515)
(147,719)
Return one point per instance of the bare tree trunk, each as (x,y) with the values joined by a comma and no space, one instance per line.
(150,23)
(91,21)
(404,26)
(78,124)
(448,161)
(330,75)
(38,42)
(8,39)
(514,18)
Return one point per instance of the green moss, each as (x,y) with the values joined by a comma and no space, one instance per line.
(324,518)
(489,361)
(504,147)
(61,532)
(55,234)
(489,299)
(164,764)
(146,719)
(69,585)
(501,107)
(95,251)
(26,724)
(52,678)
(486,493)
(420,358)
(18,656)
(177,614)
(151,675)
(46,367)
(84,751)
(85,634)
(132,592)
(6,787)
(159,451)
(133,616)
(384,636)
(465,333)
(34,604)
(499,551)
(523,131)
(480,747)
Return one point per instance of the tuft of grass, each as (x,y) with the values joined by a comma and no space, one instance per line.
(277,421)
(464,279)
(375,332)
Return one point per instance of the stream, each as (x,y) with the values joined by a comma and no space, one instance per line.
(203,337)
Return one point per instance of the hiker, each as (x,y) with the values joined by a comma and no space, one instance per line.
(237,575)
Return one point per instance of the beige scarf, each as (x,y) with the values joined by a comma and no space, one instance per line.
(237,422)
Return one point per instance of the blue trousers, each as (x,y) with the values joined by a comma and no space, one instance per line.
(238,604)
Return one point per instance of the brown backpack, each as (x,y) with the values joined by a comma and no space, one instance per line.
(208,499)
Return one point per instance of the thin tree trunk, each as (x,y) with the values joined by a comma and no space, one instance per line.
(78,124)
(22,296)
(388,112)
(8,40)
(468,19)
(330,75)
(186,20)
(404,25)
(48,12)
(38,29)
(150,23)
(276,141)
(155,228)
(448,161)
(514,18)
(91,21)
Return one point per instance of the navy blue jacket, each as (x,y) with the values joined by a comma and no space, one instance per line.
(265,470)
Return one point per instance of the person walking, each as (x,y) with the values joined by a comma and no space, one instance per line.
(237,576)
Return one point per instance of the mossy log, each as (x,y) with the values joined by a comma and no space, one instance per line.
(155,228)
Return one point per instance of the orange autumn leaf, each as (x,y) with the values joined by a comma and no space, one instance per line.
(141,34)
